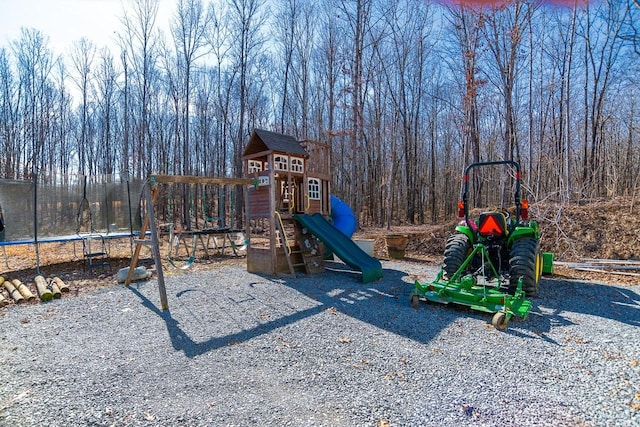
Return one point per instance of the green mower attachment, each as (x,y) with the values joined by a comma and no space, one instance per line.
(465,290)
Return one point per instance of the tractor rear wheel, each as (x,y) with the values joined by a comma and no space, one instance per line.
(455,253)
(525,262)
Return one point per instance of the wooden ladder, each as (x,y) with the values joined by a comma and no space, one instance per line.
(299,241)
(287,242)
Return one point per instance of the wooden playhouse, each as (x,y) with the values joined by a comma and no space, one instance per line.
(292,179)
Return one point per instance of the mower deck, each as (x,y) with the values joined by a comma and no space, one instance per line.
(482,297)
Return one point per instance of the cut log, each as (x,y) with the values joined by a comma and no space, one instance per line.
(23,289)
(42,287)
(13,292)
(61,285)
(55,290)
(3,300)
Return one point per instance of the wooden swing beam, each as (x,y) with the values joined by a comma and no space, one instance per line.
(151,194)
(205,180)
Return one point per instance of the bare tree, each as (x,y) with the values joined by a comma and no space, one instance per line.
(631,32)
(504,32)
(408,50)
(34,61)
(106,76)
(139,45)
(9,126)
(560,51)
(188,30)
(467,24)
(82,57)
(602,47)
(285,35)
(223,78)
(246,20)
(357,16)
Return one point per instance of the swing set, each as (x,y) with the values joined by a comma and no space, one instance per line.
(183,213)
(200,218)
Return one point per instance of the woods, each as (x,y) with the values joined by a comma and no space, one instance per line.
(406,92)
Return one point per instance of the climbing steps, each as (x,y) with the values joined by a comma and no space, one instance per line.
(301,248)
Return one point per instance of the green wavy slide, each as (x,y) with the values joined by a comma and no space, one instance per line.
(342,246)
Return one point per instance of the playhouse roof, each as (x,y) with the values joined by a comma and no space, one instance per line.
(264,140)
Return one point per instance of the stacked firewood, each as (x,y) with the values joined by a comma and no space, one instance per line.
(18,292)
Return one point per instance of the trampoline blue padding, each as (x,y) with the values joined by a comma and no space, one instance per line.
(67,238)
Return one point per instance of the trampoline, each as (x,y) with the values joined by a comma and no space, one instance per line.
(68,208)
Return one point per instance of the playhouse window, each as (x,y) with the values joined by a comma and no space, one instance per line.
(255,166)
(314,189)
(281,163)
(297,165)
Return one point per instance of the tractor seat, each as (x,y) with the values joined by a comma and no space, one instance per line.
(492,224)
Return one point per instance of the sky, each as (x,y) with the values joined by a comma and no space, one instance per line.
(66,21)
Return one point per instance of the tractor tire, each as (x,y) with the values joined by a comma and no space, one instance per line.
(525,262)
(455,253)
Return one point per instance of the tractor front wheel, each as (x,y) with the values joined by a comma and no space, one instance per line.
(455,253)
(525,262)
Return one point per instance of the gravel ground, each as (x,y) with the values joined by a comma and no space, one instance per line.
(239,349)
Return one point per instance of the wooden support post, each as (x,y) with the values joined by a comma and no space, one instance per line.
(150,224)
(155,250)
(140,242)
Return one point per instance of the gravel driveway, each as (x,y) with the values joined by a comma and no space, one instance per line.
(239,349)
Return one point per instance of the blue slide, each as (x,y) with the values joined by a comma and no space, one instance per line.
(342,217)
(342,246)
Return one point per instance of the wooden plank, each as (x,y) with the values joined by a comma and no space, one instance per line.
(604,265)
(611,261)
(155,249)
(596,270)
(192,179)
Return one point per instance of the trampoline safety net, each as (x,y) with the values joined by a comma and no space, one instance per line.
(69,205)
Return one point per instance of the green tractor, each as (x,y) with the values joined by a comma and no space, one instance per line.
(492,264)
